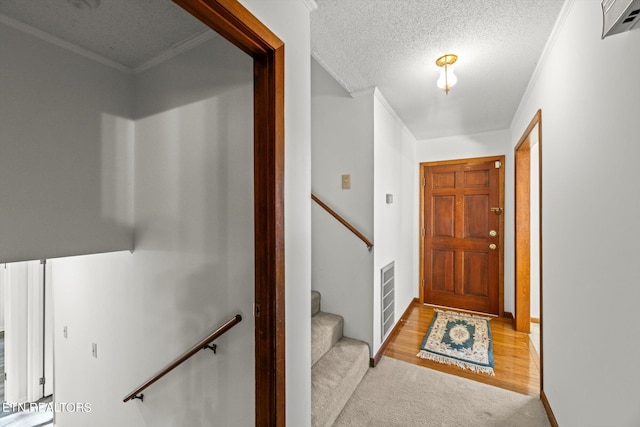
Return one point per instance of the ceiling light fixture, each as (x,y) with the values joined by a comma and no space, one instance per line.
(447,78)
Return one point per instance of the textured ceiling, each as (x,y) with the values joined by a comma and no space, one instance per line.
(393,44)
(128,32)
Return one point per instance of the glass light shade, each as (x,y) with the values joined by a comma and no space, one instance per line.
(446,76)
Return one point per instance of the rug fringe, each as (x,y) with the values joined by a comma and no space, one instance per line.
(460,313)
(459,363)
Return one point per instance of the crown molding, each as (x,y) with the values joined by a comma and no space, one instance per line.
(353,93)
(166,55)
(361,92)
(383,101)
(57,41)
(544,57)
(176,50)
(328,70)
(311,5)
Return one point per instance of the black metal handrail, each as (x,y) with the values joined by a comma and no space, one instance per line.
(201,345)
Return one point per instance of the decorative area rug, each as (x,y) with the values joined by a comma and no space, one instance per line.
(459,339)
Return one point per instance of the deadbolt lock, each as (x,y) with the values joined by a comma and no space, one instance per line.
(493,233)
(492,246)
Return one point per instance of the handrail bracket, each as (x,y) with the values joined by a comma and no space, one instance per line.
(202,345)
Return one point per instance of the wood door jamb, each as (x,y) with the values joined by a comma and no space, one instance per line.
(234,22)
(522,218)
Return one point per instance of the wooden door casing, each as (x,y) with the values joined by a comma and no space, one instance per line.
(458,267)
(233,21)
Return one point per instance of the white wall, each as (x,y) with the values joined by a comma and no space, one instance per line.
(192,268)
(63,138)
(496,143)
(289,20)
(589,91)
(394,157)
(364,137)
(342,143)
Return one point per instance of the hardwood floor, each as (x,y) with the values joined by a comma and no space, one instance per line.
(517,366)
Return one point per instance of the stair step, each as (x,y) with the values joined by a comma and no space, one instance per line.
(334,379)
(315,302)
(326,330)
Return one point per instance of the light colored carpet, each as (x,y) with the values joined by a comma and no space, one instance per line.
(397,393)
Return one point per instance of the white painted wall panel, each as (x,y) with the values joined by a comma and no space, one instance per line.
(342,143)
(394,157)
(192,268)
(588,91)
(65,137)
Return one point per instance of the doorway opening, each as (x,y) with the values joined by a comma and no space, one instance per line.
(528,231)
(235,23)
(27,332)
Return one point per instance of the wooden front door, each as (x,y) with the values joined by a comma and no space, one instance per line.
(462,221)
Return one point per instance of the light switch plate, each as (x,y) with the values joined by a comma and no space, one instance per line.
(346,182)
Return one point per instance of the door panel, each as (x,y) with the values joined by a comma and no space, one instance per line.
(443,275)
(444,180)
(461,259)
(476,268)
(476,179)
(476,217)
(444,216)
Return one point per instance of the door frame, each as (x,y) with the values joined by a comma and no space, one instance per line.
(522,226)
(422,233)
(235,23)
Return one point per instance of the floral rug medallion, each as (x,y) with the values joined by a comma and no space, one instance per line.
(459,339)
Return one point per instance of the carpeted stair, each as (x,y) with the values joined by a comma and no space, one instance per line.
(338,364)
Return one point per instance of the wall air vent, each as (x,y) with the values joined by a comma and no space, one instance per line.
(619,16)
(387,291)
